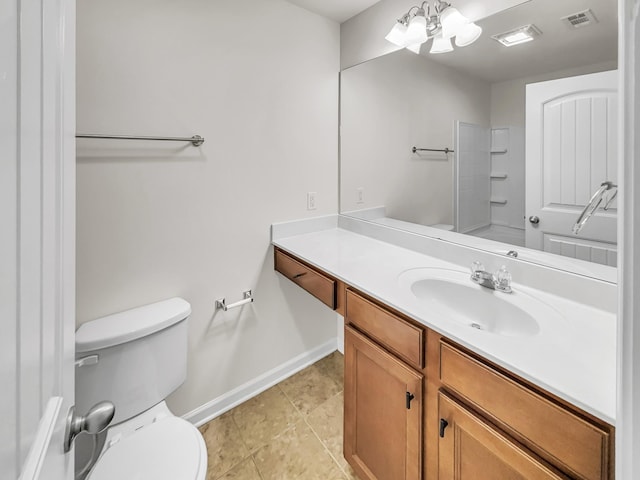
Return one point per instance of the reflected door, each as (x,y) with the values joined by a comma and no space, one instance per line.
(571,148)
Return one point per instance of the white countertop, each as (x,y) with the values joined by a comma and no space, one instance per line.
(574,359)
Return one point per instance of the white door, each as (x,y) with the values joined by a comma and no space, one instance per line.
(571,148)
(37,250)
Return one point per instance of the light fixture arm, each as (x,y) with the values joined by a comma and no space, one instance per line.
(440,5)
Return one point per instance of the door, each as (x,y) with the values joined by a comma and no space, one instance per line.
(471,449)
(571,148)
(37,237)
(382,412)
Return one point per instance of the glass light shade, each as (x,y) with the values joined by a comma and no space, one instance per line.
(417,31)
(441,44)
(468,34)
(398,35)
(452,22)
(414,48)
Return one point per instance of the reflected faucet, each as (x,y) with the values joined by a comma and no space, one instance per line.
(594,203)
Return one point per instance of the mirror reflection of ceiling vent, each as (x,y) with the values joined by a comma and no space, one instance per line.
(580,19)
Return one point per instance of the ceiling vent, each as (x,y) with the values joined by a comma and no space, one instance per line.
(580,19)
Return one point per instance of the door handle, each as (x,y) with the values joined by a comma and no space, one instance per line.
(534,219)
(95,421)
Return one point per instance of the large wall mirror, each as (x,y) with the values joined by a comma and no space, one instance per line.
(511,143)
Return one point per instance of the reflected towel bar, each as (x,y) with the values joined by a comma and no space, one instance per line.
(196,140)
(445,150)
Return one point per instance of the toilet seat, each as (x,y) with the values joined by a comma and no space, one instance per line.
(168,449)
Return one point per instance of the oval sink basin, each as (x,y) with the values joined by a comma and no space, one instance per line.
(453,296)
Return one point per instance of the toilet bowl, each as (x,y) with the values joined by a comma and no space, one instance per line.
(135,359)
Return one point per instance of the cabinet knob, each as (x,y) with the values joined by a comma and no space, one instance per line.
(443,424)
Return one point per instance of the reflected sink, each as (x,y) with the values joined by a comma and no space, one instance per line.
(452,295)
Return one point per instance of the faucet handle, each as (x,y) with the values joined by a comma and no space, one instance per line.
(477,267)
(503,280)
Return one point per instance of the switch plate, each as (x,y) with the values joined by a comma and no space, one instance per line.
(360,195)
(311,200)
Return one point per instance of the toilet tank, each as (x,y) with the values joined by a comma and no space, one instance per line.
(134,358)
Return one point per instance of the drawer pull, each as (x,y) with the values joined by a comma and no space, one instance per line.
(299,275)
(408,398)
(443,424)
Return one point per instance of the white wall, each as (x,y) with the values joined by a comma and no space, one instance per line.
(508,98)
(389,105)
(259,80)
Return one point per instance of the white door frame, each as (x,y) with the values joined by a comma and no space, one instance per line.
(628,412)
(37,86)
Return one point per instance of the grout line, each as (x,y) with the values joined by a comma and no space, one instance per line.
(304,419)
(320,439)
(333,459)
(253,460)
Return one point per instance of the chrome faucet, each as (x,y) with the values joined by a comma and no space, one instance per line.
(500,281)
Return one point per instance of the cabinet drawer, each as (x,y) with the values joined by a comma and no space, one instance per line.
(314,282)
(394,333)
(570,441)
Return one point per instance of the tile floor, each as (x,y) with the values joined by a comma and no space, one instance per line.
(291,431)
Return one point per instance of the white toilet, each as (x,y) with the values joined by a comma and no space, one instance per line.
(135,359)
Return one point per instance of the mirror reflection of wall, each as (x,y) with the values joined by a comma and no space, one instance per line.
(401,100)
(388,106)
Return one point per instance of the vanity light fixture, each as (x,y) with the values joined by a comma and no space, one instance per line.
(517,36)
(441,22)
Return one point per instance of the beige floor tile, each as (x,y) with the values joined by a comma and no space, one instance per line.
(349,473)
(264,417)
(327,422)
(245,471)
(296,454)
(310,388)
(224,447)
(333,366)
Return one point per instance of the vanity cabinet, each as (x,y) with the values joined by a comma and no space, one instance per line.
(419,406)
(555,432)
(382,412)
(472,449)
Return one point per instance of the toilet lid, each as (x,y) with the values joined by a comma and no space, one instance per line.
(169,449)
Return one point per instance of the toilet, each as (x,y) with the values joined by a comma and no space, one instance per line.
(135,359)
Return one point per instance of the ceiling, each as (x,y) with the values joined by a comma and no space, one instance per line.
(559,47)
(338,10)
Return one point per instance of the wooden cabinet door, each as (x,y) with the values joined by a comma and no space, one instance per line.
(383,412)
(471,449)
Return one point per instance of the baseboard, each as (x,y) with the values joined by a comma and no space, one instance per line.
(227,401)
